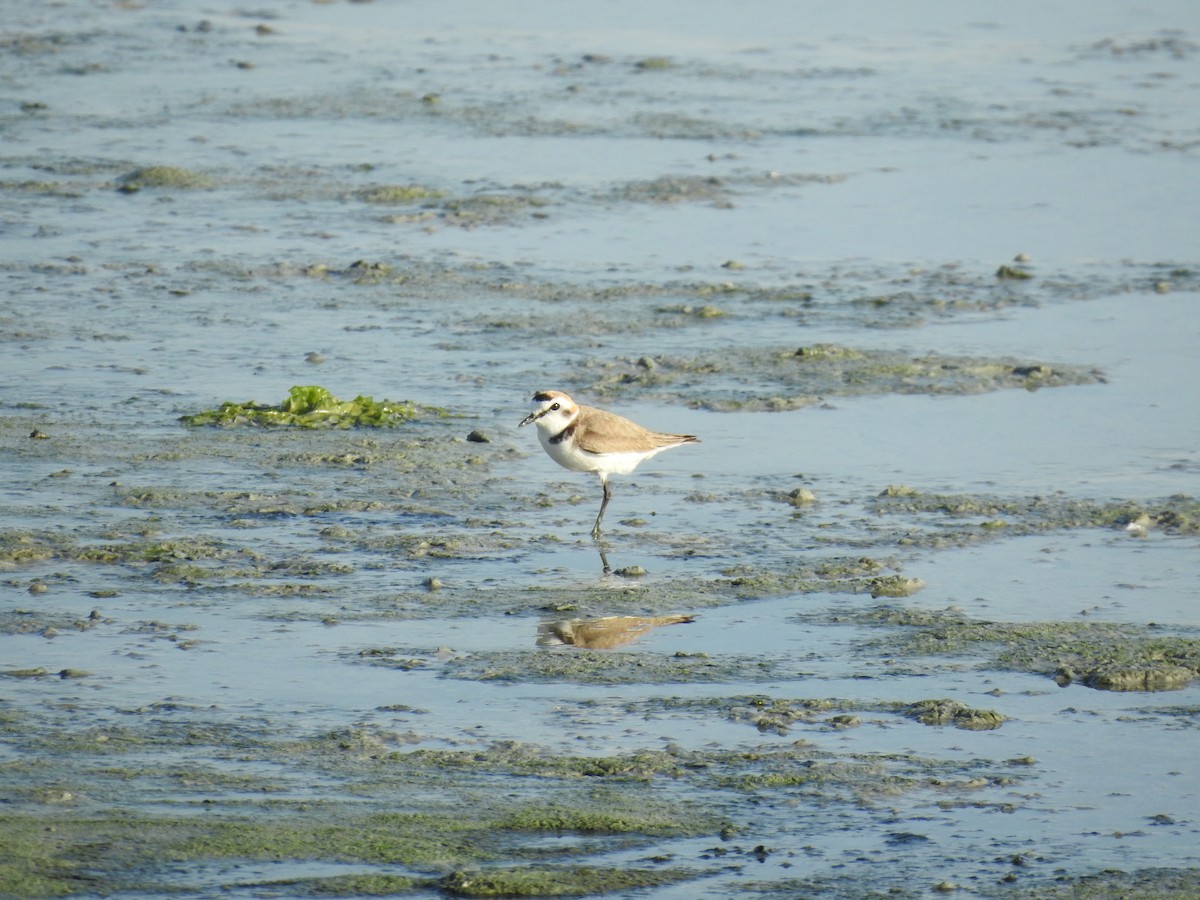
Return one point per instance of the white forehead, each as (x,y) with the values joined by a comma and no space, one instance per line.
(547,399)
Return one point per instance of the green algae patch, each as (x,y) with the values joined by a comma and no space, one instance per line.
(481,812)
(894,586)
(43,673)
(559,881)
(823,352)
(820,773)
(398,194)
(776,715)
(849,575)
(1100,655)
(613,814)
(767,714)
(640,596)
(1178,514)
(366,885)
(861,778)
(1136,675)
(56,856)
(383,838)
(601,819)
(676,189)
(1013,273)
(786,378)
(38,862)
(941,520)
(956,713)
(523,760)
(653,63)
(1114,884)
(22,547)
(45,188)
(312,406)
(576,666)
(489,209)
(163,177)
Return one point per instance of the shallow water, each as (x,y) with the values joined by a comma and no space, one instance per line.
(681,186)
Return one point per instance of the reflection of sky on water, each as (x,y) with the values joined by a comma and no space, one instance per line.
(965,134)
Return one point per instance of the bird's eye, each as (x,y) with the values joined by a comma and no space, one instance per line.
(555,406)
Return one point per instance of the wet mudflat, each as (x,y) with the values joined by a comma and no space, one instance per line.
(917,618)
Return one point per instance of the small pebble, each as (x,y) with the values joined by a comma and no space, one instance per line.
(478,437)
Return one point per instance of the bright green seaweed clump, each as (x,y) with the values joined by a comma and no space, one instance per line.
(313,407)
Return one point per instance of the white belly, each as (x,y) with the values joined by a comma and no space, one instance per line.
(567,455)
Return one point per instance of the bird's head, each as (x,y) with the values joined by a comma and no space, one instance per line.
(552,411)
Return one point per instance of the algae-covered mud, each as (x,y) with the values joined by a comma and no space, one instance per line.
(917,618)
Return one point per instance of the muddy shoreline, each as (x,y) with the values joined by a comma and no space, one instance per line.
(291,608)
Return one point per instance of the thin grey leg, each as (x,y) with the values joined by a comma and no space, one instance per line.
(603,506)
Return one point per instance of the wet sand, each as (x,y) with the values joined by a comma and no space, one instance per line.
(917,617)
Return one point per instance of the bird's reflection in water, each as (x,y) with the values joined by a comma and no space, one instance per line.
(603,550)
(603,633)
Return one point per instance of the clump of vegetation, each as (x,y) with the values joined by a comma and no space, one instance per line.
(163,177)
(1177,514)
(1013,273)
(398,194)
(1102,655)
(654,62)
(555,881)
(953,712)
(313,407)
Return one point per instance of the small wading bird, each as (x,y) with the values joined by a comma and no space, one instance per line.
(585,439)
